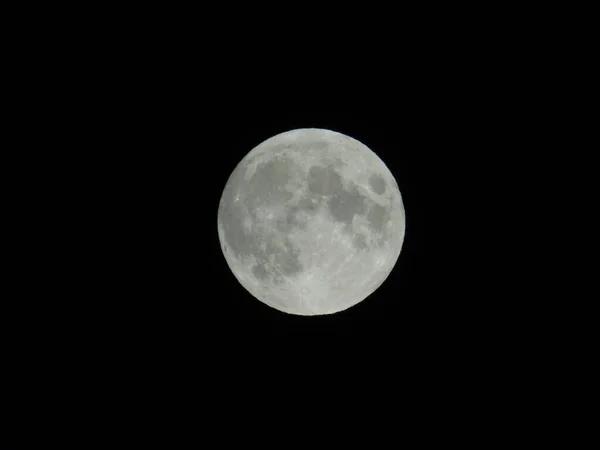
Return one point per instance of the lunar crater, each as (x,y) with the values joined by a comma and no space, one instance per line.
(377,183)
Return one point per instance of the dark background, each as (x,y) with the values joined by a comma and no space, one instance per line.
(126,137)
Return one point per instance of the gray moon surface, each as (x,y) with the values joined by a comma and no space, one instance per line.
(311,222)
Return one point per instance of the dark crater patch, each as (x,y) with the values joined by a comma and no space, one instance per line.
(309,204)
(377,183)
(267,186)
(377,217)
(260,272)
(324,180)
(345,204)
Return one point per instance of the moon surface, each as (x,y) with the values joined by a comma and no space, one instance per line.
(311,222)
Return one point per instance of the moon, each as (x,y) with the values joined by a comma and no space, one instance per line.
(311,222)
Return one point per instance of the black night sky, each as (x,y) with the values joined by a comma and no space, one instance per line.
(127,136)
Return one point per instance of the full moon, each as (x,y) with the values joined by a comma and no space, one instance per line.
(311,222)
